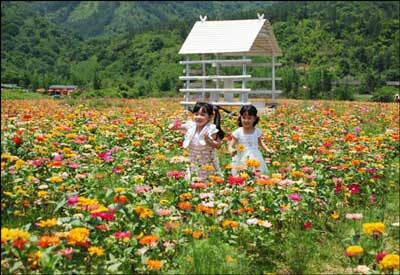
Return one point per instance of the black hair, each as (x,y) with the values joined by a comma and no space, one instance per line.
(251,111)
(211,110)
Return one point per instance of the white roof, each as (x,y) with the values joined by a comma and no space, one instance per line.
(222,36)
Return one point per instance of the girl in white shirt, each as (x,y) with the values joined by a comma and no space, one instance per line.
(202,138)
(245,141)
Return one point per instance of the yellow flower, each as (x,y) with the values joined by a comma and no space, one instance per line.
(6,235)
(78,235)
(56,179)
(19,163)
(67,150)
(164,201)
(42,194)
(34,258)
(297,174)
(276,163)
(371,228)
(241,148)
(390,261)
(119,189)
(48,223)
(354,250)
(252,163)
(208,167)
(96,250)
(229,259)
(136,143)
(244,175)
(276,176)
(335,215)
(138,179)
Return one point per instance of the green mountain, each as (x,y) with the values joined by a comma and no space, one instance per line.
(133,46)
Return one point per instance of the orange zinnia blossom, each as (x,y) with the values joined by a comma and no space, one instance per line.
(185,205)
(204,209)
(154,264)
(149,240)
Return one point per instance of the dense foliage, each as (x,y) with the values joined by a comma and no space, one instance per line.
(130,49)
(98,187)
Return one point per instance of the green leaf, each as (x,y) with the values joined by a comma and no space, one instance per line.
(114,267)
(59,205)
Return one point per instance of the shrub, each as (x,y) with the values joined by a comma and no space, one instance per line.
(385,94)
(344,92)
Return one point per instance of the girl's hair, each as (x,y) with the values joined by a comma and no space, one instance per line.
(210,110)
(251,111)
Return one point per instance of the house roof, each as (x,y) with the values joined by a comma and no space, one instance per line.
(232,37)
(63,87)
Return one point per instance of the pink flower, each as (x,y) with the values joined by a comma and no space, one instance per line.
(104,215)
(72,200)
(307,169)
(285,182)
(164,212)
(73,165)
(372,198)
(354,216)
(67,253)
(294,197)
(142,189)
(37,162)
(176,174)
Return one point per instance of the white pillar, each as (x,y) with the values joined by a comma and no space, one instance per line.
(273,78)
(203,94)
(244,96)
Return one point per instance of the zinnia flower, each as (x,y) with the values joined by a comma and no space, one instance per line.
(154,264)
(94,250)
(354,250)
(373,228)
(294,197)
(390,261)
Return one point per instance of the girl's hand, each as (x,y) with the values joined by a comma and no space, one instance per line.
(207,139)
(175,125)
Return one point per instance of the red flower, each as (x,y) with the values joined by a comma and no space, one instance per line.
(17,140)
(20,244)
(120,199)
(380,256)
(307,225)
(338,187)
(235,180)
(102,227)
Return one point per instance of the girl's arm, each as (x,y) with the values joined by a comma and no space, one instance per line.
(232,146)
(214,142)
(177,125)
(262,144)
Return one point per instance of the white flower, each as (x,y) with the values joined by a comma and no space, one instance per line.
(363,269)
(266,224)
(141,251)
(208,204)
(252,221)
(43,186)
(222,205)
(397,224)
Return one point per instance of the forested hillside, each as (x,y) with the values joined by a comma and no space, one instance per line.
(133,46)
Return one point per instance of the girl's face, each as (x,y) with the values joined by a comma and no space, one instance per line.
(201,117)
(247,120)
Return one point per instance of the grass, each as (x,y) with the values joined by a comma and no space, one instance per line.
(19,94)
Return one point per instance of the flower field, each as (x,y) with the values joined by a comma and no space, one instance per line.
(99,187)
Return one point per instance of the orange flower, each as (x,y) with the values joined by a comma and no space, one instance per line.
(198,234)
(154,264)
(185,205)
(204,209)
(356,162)
(230,223)
(149,240)
(46,241)
(350,137)
(216,179)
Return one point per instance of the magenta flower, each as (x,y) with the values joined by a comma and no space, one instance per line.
(122,234)
(176,174)
(67,253)
(354,188)
(338,187)
(294,197)
(73,165)
(37,162)
(58,157)
(72,200)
